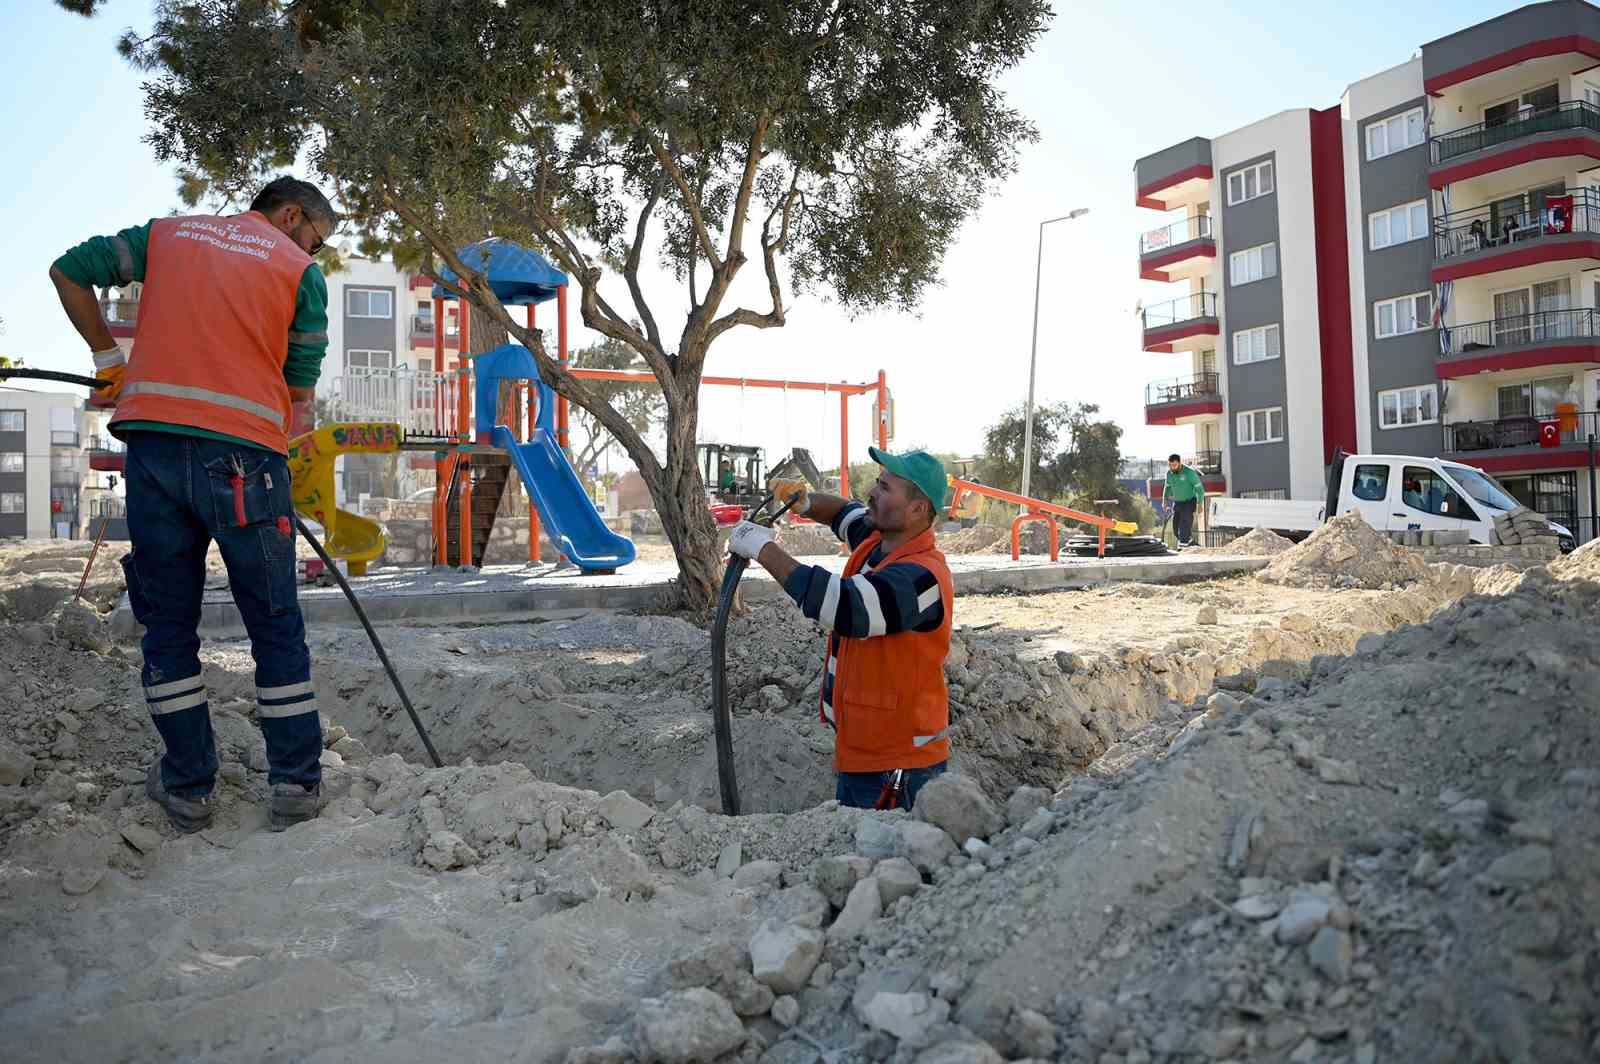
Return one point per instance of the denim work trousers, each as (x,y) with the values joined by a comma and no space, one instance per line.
(860,790)
(184,492)
(1183,519)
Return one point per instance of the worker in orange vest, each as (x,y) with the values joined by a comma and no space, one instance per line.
(232,329)
(888,620)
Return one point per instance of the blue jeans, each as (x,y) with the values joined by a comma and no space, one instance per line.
(860,790)
(184,492)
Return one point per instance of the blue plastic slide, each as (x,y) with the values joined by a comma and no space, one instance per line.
(565,509)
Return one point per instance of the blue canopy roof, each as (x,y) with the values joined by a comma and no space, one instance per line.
(517,275)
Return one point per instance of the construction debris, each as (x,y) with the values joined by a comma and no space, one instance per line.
(1274,836)
(1524,527)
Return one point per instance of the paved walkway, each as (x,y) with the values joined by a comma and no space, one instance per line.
(505,592)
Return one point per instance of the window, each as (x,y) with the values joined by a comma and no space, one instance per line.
(13,420)
(360,361)
(1255,345)
(1396,133)
(369,303)
(1250,182)
(1536,398)
(1260,426)
(11,462)
(11,502)
(1371,483)
(1403,407)
(1405,314)
(1534,101)
(1423,489)
(1409,221)
(1253,264)
(424,365)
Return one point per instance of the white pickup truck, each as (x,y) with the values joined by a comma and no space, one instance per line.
(1392,492)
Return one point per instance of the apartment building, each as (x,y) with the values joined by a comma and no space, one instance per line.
(45,482)
(1415,270)
(380,334)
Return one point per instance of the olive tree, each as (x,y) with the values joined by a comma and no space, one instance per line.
(840,145)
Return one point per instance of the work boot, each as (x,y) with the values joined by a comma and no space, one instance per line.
(188,815)
(293,803)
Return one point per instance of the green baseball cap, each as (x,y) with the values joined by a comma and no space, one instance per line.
(922,469)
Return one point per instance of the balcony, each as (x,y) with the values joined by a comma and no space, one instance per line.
(1184,324)
(1175,177)
(1517,443)
(1209,463)
(1492,238)
(105,454)
(1178,252)
(1183,399)
(63,438)
(1544,338)
(422,330)
(1571,128)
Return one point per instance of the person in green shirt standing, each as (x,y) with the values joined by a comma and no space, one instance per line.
(1184,491)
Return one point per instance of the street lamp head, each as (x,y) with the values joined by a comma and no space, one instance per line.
(1079,213)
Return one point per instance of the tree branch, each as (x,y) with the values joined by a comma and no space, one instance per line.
(690,202)
(770,249)
(631,269)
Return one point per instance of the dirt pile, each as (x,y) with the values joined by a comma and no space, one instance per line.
(804,541)
(1345,552)
(38,575)
(1581,564)
(979,539)
(1256,543)
(1363,865)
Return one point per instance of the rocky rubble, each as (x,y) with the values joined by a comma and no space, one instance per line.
(1362,834)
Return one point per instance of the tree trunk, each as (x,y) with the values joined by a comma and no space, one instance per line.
(680,499)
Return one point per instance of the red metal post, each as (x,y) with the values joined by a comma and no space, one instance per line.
(441,468)
(465,428)
(844,444)
(883,412)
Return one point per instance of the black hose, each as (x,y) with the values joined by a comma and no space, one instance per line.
(24,373)
(721,717)
(394,677)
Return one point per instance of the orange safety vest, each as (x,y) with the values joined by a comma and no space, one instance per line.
(891,707)
(213,333)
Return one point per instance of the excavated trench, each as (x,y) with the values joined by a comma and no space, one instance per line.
(609,702)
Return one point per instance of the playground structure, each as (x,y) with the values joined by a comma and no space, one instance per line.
(312,455)
(1039,510)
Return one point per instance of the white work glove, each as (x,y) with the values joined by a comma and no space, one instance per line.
(747,539)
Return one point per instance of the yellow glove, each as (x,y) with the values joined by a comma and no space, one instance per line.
(785,490)
(109,365)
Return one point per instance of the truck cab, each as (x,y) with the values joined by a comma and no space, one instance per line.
(1392,493)
(1400,493)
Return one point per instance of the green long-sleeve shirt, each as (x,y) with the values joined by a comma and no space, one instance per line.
(1183,485)
(107,261)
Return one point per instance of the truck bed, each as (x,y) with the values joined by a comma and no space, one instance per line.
(1279,515)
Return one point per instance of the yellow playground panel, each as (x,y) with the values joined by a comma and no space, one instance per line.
(311,458)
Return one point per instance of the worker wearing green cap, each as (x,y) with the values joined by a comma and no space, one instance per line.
(887,618)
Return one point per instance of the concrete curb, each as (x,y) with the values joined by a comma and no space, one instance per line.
(460,598)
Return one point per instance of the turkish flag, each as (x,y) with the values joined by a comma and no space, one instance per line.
(1549,433)
(1558,214)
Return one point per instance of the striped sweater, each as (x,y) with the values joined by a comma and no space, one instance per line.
(903,597)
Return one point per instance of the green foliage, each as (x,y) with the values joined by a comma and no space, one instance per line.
(1075,459)
(837,146)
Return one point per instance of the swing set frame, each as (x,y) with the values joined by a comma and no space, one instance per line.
(878,388)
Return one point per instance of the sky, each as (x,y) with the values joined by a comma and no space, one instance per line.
(1108,83)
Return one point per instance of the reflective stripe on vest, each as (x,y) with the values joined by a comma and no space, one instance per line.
(204,395)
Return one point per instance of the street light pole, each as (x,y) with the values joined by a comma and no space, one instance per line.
(1033,356)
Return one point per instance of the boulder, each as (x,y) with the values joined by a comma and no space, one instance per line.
(836,876)
(909,1017)
(687,1026)
(926,846)
(625,812)
(783,955)
(896,878)
(958,805)
(864,905)
(15,765)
